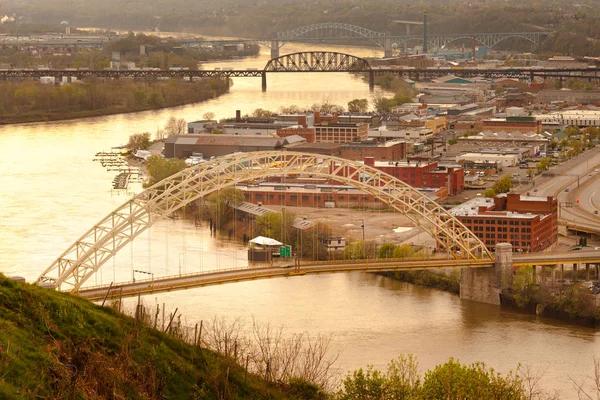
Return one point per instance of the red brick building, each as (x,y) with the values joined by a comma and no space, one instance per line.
(391,150)
(340,132)
(513,124)
(528,223)
(422,174)
(338,196)
(306,133)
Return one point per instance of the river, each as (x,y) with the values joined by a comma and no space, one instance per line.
(52,192)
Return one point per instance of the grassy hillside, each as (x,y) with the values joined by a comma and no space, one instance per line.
(54,345)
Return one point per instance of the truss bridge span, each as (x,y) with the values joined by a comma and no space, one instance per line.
(101,242)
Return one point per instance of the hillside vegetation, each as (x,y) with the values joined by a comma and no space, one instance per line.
(58,346)
(576,26)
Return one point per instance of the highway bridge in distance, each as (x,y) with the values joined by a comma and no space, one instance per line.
(219,277)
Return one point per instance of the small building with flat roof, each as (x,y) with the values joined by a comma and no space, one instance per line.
(210,145)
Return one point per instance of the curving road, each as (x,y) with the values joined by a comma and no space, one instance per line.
(576,179)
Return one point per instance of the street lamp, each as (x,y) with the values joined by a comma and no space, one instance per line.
(362,225)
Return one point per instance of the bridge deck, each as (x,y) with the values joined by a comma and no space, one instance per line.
(178,282)
(193,280)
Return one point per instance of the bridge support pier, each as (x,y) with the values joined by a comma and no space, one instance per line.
(263,76)
(484,285)
(371,81)
(274,49)
(387,47)
(587,271)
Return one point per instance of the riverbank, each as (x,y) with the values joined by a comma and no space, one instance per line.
(437,280)
(30,101)
(55,345)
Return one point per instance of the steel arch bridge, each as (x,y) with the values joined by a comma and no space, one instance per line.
(92,250)
(321,61)
(328,30)
(488,39)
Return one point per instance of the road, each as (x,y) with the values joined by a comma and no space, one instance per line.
(573,181)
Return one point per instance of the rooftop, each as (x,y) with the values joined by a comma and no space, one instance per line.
(471,209)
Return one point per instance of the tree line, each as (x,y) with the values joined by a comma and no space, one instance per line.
(575,27)
(29,101)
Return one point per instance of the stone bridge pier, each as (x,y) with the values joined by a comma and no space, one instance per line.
(485,284)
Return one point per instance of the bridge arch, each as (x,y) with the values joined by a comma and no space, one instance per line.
(333,27)
(93,249)
(486,39)
(322,61)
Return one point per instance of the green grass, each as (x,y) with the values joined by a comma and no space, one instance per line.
(54,345)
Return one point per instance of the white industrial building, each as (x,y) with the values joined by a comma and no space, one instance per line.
(417,134)
(571,117)
(505,160)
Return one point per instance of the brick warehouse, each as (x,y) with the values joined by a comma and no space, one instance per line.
(310,195)
(529,223)
(422,174)
(391,150)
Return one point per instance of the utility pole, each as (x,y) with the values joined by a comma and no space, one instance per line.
(425,32)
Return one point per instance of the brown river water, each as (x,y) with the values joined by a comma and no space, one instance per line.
(52,192)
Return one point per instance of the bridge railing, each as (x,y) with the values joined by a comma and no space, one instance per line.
(448,262)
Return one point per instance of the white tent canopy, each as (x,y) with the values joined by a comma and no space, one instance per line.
(265,241)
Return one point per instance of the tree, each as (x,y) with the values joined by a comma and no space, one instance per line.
(358,249)
(576,145)
(524,286)
(292,109)
(358,105)
(139,141)
(590,387)
(364,385)
(502,186)
(313,242)
(278,226)
(593,132)
(403,251)
(544,164)
(220,205)
(261,113)
(401,381)
(387,250)
(160,168)
(381,103)
(175,126)
(572,131)
(208,115)
(327,107)
(470,382)
(160,134)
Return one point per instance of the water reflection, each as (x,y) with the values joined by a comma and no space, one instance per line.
(52,193)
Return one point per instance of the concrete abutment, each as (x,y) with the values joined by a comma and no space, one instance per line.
(485,284)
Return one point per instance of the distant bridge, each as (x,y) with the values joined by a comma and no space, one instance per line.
(320,31)
(315,61)
(386,41)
